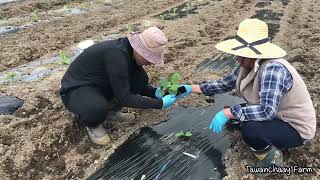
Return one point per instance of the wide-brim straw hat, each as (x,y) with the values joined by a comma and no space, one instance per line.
(252,41)
(150,44)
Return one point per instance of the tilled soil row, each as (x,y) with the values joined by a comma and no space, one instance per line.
(26,7)
(48,37)
(42,140)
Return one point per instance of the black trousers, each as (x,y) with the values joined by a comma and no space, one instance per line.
(90,104)
(258,135)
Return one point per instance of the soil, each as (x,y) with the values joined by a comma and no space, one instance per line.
(42,139)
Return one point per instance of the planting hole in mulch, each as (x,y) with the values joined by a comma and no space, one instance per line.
(285,2)
(156,152)
(131,28)
(178,12)
(262,4)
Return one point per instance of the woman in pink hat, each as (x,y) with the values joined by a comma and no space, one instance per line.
(109,75)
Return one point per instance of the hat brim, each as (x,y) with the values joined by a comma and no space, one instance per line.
(155,58)
(267,50)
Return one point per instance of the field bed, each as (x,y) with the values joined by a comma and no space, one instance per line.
(42,141)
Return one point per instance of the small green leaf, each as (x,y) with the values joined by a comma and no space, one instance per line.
(86,5)
(64,58)
(162,16)
(146,23)
(2,17)
(35,16)
(174,11)
(175,78)
(101,1)
(173,89)
(180,134)
(164,83)
(188,134)
(65,8)
(130,28)
(189,6)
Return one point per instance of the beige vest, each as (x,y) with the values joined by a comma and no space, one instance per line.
(296,106)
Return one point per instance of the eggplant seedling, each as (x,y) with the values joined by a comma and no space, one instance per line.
(3,18)
(170,86)
(162,17)
(35,16)
(65,8)
(146,23)
(86,5)
(64,59)
(183,134)
(174,12)
(130,28)
(11,76)
(189,6)
(101,1)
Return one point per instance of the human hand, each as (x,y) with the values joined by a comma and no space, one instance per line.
(168,100)
(218,122)
(158,93)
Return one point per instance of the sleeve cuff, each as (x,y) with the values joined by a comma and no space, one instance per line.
(204,87)
(237,112)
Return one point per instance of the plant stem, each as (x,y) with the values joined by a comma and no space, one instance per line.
(174,12)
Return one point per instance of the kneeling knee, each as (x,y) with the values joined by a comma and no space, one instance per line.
(94,116)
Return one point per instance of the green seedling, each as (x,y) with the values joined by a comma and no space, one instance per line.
(2,18)
(65,8)
(188,134)
(35,16)
(146,23)
(162,16)
(86,5)
(189,6)
(100,1)
(130,28)
(174,12)
(182,134)
(11,76)
(64,59)
(170,85)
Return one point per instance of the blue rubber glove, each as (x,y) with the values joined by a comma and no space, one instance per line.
(168,100)
(188,91)
(218,122)
(157,94)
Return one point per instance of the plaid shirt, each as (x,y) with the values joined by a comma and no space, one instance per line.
(276,80)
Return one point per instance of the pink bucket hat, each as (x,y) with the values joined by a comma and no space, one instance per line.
(150,44)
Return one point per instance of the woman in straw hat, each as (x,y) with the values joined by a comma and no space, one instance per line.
(109,75)
(279,113)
